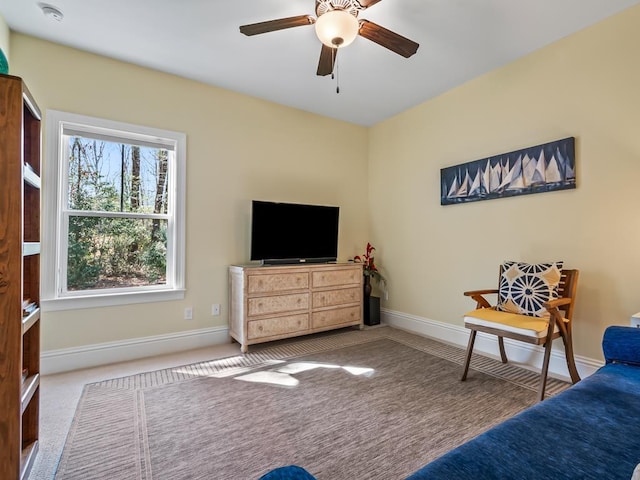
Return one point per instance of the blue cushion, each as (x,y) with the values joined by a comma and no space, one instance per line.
(292,472)
(622,345)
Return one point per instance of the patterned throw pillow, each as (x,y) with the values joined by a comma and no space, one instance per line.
(524,287)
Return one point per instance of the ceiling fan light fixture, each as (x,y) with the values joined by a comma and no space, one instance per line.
(337,28)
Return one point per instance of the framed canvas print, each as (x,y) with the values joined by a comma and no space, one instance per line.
(543,168)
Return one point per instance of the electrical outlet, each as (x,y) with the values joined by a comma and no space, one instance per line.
(635,320)
(215,309)
(386,295)
(188,313)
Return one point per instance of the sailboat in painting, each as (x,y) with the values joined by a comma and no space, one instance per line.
(454,188)
(463,189)
(552,173)
(517,181)
(476,183)
(538,169)
(533,170)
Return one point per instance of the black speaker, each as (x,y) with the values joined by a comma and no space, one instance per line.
(372,311)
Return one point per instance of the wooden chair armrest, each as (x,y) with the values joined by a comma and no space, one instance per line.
(477,295)
(552,308)
(558,302)
(471,293)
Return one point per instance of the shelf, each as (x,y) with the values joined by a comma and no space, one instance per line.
(27,458)
(29,387)
(20,183)
(30,320)
(30,176)
(30,248)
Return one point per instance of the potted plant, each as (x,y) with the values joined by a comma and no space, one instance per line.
(369,270)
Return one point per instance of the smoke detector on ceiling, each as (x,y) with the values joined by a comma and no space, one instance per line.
(51,11)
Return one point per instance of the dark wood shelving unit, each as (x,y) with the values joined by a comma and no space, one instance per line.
(19,278)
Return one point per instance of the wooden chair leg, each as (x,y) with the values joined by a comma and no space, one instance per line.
(467,362)
(503,353)
(568,353)
(545,368)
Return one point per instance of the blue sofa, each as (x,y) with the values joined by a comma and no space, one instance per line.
(589,431)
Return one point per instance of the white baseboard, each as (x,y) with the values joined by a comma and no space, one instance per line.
(528,356)
(67,359)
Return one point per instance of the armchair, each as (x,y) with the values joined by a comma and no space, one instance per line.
(535,305)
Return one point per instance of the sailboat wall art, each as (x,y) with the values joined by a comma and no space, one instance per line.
(543,168)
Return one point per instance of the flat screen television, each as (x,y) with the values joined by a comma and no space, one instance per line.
(293,233)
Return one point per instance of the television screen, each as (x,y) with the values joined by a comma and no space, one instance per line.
(293,233)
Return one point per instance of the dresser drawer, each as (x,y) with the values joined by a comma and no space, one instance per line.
(343,296)
(333,278)
(337,316)
(277,304)
(278,282)
(270,327)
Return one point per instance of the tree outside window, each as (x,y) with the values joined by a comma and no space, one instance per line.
(116,251)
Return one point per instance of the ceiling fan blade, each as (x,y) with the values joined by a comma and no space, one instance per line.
(368,3)
(327,60)
(388,39)
(279,24)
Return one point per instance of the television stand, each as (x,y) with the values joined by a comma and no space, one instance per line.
(274,302)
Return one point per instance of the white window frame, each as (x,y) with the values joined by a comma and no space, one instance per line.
(55,220)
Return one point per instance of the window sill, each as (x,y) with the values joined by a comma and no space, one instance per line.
(110,300)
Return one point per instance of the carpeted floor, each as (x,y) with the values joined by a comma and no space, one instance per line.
(372,404)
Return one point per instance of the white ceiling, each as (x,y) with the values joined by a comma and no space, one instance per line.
(199,39)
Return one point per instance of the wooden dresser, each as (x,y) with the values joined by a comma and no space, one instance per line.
(274,302)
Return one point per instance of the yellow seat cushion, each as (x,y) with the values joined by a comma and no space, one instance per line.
(511,322)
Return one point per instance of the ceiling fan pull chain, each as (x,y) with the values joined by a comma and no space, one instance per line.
(333,62)
(337,74)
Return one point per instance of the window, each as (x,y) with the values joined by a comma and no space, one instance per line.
(114,213)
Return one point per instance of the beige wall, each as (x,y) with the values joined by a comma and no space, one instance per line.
(239,148)
(4,38)
(587,86)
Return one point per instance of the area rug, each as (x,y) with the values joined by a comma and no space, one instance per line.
(372,404)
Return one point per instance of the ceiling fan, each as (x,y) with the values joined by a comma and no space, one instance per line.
(337,25)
